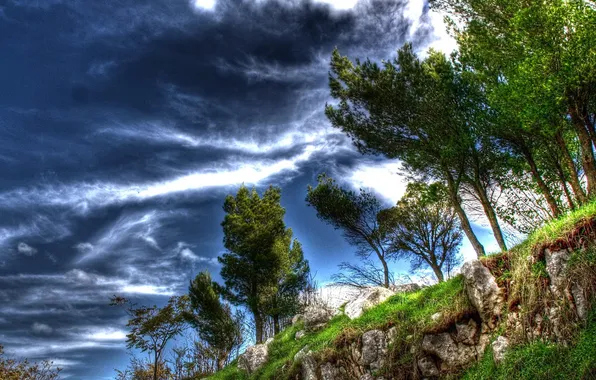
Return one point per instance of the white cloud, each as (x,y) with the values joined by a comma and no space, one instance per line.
(148,289)
(26,249)
(340,4)
(41,328)
(383,178)
(105,334)
(184,251)
(204,4)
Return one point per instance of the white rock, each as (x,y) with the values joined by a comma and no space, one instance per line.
(483,291)
(316,316)
(499,346)
(427,367)
(367,298)
(253,358)
(374,349)
(300,334)
(436,316)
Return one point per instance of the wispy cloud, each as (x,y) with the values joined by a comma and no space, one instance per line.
(26,249)
(41,328)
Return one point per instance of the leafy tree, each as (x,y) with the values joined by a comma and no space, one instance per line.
(536,59)
(424,113)
(423,227)
(12,369)
(261,260)
(151,328)
(284,302)
(213,319)
(355,214)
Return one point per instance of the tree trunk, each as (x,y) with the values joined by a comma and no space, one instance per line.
(221,361)
(463,218)
(552,203)
(276,328)
(580,195)
(438,273)
(258,326)
(155,360)
(587,152)
(385,272)
(489,211)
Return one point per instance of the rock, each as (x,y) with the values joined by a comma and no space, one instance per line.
(483,291)
(467,332)
(329,372)
(405,288)
(499,346)
(253,358)
(374,349)
(367,376)
(309,367)
(427,367)
(368,298)
(269,341)
(556,263)
(302,353)
(316,317)
(300,334)
(391,335)
(297,318)
(581,304)
(451,354)
(436,316)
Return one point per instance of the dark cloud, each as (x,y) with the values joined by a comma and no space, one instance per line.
(123,125)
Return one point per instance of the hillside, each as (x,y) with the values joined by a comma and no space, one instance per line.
(527,313)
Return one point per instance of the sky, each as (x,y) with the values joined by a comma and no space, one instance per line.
(123,126)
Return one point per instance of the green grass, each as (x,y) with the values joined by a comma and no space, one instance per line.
(539,361)
(409,313)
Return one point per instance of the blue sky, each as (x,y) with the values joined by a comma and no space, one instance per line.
(124,124)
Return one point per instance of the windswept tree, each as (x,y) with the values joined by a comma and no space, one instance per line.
(213,319)
(261,259)
(355,214)
(151,328)
(424,228)
(423,112)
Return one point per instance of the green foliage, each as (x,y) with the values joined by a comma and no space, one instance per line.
(12,369)
(151,328)
(355,214)
(544,361)
(263,268)
(212,318)
(423,227)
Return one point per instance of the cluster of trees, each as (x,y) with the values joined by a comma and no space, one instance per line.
(507,123)
(264,272)
(503,130)
(422,228)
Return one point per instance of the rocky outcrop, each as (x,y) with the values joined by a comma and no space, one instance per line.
(453,350)
(316,316)
(374,350)
(500,346)
(560,284)
(254,357)
(405,288)
(483,291)
(367,298)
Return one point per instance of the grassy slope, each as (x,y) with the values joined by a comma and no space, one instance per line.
(411,313)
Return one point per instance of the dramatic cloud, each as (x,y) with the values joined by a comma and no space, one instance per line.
(125,124)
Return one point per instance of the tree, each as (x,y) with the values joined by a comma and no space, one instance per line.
(361,275)
(423,227)
(12,369)
(213,319)
(355,214)
(284,303)
(151,328)
(418,112)
(260,261)
(536,62)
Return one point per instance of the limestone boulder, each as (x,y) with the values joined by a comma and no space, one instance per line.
(316,316)
(254,357)
(374,350)
(500,346)
(483,291)
(367,298)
